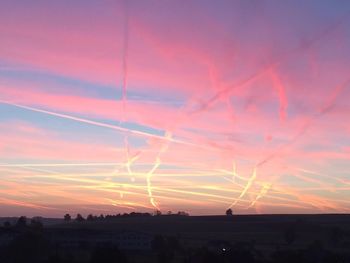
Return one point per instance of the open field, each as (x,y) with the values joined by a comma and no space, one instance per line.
(265,231)
(179,238)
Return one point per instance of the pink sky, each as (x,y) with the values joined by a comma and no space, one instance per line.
(115,106)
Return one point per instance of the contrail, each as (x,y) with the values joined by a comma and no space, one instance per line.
(248,185)
(280,89)
(23,204)
(218,95)
(125,57)
(130,160)
(324,109)
(154,168)
(323,175)
(59,164)
(234,171)
(149,185)
(264,190)
(312,200)
(95,123)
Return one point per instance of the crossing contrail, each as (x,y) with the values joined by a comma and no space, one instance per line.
(325,108)
(246,188)
(228,88)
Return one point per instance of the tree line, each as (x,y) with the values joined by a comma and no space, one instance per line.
(80,218)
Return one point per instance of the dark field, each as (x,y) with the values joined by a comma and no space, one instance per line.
(266,231)
(173,238)
(263,229)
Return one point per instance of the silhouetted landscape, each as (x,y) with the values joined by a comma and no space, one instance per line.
(178,237)
(232,114)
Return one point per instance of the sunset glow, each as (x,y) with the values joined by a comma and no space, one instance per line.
(197,106)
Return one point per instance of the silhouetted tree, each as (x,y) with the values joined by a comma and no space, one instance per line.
(36,224)
(90,217)
(67,217)
(182,213)
(158,213)
(79,218)
(101,217)
(229,212)
(21,222)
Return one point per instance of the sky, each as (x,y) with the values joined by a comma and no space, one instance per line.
(173,105)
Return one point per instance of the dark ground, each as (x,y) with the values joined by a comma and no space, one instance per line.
(239,238)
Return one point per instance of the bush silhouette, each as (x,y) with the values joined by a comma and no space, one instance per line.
(67,217)
(21,222)
(79,218)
